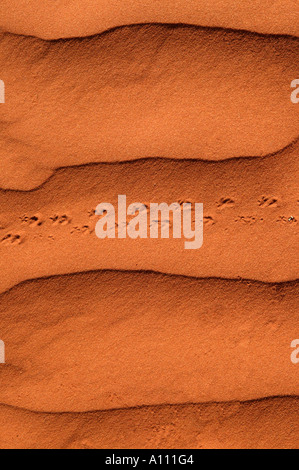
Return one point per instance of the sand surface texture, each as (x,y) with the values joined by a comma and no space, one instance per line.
(140,343)
(111,340)
(251,220)
(201,426)
(137,92)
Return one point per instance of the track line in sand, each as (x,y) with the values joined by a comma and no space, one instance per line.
(108,339)
(251,214)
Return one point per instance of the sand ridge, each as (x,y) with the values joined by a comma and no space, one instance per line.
(175,92)
(56,19)
(105,340)
(251,214)
(196,426)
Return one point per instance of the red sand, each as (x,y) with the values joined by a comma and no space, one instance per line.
(151,91)
(106,337)
(251,215)
(109,340)
(61,18)
(260,424)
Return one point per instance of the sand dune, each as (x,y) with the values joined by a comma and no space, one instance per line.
(52,20)
(140,343)
(151,91)
(271,423)
(251,215)
(110,340)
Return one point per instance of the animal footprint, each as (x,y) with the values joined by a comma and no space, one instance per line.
(208,220)
(250,220)
(225,202)
(268,201)
(61,219)
(85,229)
(185,201)
(287,220)
(34,221)
(12,239)
(92,213)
